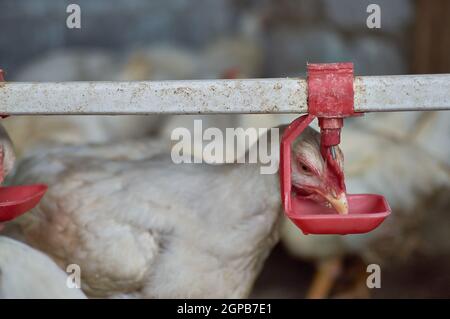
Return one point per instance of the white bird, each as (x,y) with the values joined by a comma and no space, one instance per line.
(27,273)
(24,271)
(140,225)
(146,227)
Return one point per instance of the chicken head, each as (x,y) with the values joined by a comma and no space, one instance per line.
(317,174)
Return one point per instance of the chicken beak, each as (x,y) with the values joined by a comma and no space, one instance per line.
(339,203)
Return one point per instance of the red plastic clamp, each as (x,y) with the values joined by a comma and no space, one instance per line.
(330,98)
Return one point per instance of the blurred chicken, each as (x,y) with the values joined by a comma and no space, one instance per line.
(28,273)
(405,157)
(226,58)
(7,155)
(139,225)
(74,65)
(160,62)
(25,272)
(239,53)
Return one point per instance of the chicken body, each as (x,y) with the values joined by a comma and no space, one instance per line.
(140,226)
(27,273)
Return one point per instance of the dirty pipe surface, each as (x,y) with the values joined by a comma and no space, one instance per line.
(252,96)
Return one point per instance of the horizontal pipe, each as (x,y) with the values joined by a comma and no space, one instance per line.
(425,92)
(253,96)
(152,97)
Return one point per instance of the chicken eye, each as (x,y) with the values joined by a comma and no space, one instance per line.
(305,168)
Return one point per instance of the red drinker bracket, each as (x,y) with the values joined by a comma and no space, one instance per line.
(330,99)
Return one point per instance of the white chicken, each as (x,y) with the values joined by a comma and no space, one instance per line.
(24,271)
(27,273)
(405,157)
(140,225)
(75,65)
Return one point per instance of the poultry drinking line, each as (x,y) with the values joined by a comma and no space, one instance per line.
(330,92)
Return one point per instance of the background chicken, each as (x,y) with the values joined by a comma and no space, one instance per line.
(230,57)
(74,65)
(29,274)
(409,163)
(226,58)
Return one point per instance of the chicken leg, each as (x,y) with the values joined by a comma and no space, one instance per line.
(354,277)
(326,274)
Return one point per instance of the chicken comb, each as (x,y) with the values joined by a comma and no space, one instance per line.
(231,73)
